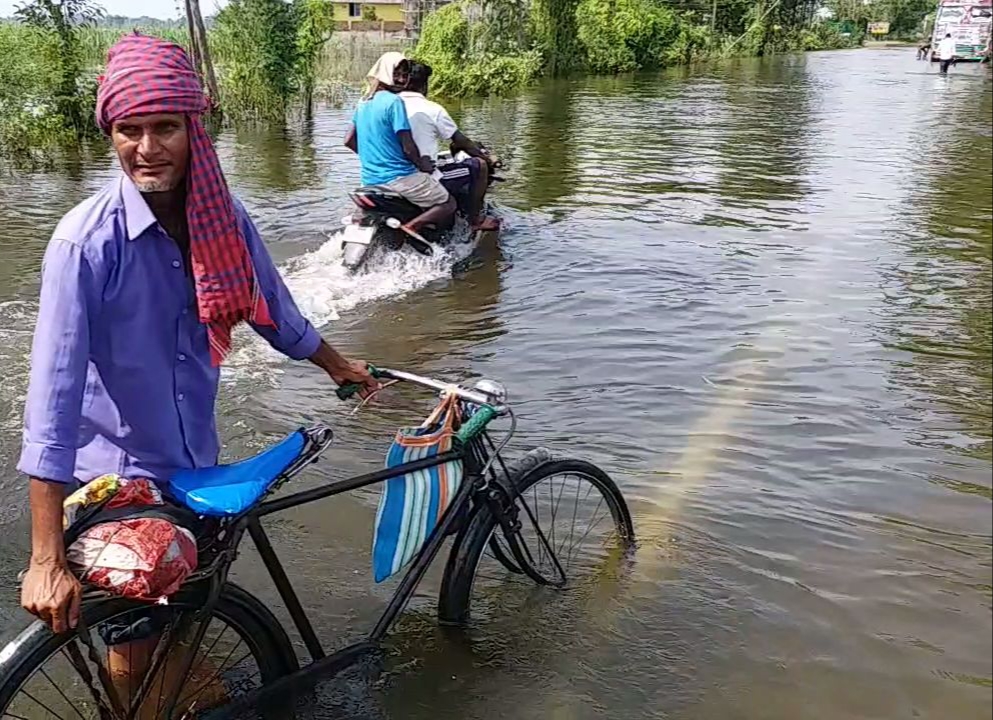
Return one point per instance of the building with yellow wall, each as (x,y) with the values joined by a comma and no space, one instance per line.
(347,14)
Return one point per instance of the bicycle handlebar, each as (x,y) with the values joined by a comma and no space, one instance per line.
(474,396)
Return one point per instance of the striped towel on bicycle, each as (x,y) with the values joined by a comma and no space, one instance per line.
(412,505)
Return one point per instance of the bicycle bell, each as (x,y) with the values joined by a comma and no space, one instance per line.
(493,389)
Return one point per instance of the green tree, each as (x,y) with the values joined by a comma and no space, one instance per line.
(261,74)
(59,21)
(315,26)
(553,26)
(485,54)
(625,35)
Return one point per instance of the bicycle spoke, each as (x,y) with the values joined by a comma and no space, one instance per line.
(571,551)
(206,653)
(15,717)
(575,511)
(537,511)
(76,660)
(585,534)
(69,702)
(551,498)
(543,547)
(160,655)
(217,674)
(43,705)
(175,691)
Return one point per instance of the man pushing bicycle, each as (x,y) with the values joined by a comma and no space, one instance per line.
(141,286)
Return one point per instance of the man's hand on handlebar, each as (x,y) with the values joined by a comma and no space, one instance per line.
(343,371)
(356,372)
(493,160)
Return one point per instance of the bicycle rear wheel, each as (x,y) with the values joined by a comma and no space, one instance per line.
(574,523)
(44,676)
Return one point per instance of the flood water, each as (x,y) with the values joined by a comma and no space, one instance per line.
(758,294)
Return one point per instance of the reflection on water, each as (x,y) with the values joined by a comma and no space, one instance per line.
(758,293)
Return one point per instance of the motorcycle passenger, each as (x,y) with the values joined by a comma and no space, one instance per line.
(380,135)
(430,124)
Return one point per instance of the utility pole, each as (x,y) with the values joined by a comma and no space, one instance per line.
(198,40)
(194,40)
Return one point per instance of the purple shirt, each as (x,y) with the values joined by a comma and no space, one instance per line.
(121,380)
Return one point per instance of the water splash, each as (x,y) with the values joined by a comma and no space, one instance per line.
(324,289)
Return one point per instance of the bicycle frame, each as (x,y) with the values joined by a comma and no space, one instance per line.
(474,454)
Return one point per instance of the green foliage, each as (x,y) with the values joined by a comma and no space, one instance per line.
(259,77)
(462,59)
(94,42)
(29,120)
(825,36)
(368,13)
(315,26)
(58,24)
(625,35)
(905,17)
(553,28)
(444,37)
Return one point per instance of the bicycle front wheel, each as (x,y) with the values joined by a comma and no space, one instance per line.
(573,526)
(126,659)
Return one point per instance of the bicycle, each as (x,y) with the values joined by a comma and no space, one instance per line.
(492,515)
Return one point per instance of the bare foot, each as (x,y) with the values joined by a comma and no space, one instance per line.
(487,224)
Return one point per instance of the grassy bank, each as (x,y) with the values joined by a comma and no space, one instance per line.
(33,126)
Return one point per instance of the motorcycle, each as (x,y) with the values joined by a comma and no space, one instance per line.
(376,226)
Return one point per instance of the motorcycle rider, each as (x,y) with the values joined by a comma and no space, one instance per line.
(381,136)
(430,124)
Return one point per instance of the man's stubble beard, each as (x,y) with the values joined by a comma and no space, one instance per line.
(156,186)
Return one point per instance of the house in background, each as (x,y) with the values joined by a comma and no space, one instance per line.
(404,16)
(384,15)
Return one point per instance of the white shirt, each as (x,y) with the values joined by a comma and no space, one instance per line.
(946,49)
(430,124)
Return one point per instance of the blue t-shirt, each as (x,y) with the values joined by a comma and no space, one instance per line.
(377,122)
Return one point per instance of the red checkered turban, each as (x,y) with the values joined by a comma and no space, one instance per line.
(147,75)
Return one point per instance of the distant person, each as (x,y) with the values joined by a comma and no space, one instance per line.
(431,124)
(924,49)
(380,135)
(946,53)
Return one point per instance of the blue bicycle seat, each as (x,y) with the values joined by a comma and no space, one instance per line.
(231,489)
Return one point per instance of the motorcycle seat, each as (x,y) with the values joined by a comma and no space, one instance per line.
(378,190)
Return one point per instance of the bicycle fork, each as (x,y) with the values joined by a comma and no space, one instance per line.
(503,505)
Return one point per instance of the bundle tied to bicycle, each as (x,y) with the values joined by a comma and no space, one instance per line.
(124,538)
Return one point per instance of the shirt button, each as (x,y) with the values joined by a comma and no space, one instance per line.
(185,311)
(181,357)
(180,397)
(176,264)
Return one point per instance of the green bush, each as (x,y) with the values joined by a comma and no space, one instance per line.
(625,35)
(32,96)
(260,77)
(445,44)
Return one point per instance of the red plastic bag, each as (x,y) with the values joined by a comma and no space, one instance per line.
(144,558)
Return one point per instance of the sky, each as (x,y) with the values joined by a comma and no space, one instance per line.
(164,9)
